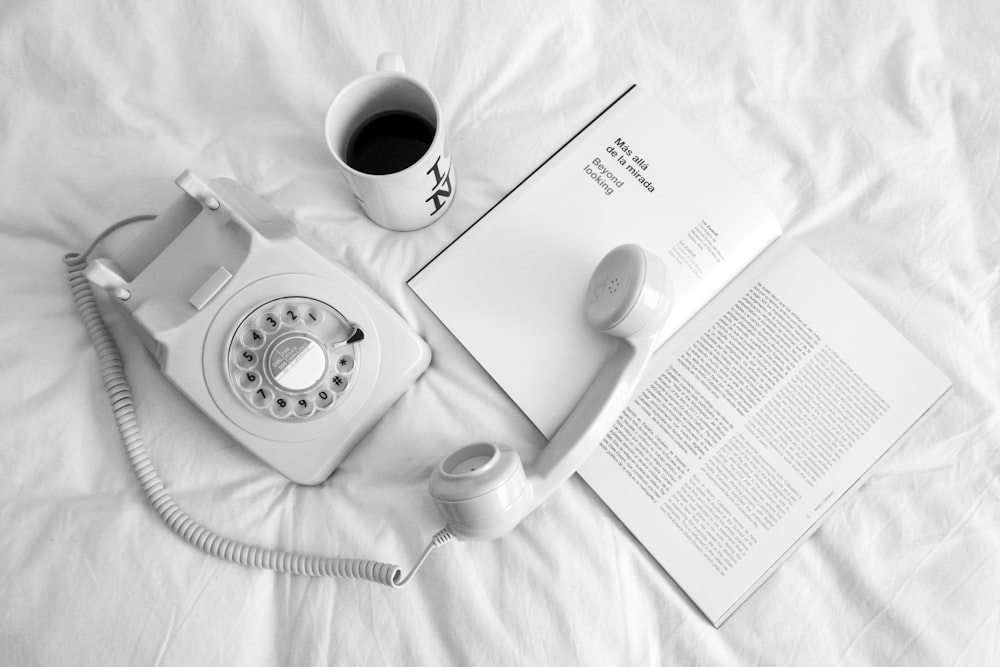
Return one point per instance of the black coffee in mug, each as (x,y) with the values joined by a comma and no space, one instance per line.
(388,142)
(388,136)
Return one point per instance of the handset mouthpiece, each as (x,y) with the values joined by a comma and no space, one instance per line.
(480,489)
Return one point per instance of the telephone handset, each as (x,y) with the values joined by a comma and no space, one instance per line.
(296,359)
(290,354)
(483,490)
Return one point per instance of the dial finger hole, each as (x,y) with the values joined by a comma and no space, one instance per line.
(312,316)
(270,322)
(253,339)
(281,406)
(324,399)
(338,383)
(304,407)
(261,397)
(250,381)
(291,316)
(245,359)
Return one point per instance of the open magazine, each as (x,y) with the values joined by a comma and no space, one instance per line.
(776,389)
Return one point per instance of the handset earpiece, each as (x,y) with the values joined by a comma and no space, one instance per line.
(483,490)
(629,293)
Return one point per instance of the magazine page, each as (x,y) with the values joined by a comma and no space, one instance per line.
(755,419)
(511,288)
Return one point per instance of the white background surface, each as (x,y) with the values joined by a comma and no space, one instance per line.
(871,132)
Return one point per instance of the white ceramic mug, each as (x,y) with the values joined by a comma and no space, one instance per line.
(416,195)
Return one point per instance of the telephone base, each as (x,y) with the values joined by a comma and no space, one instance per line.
(289,353)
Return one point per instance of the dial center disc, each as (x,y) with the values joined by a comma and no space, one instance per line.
(296,361)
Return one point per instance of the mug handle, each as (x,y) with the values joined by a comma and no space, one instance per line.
(390,62)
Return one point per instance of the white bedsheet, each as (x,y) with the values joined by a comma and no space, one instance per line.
(872,130)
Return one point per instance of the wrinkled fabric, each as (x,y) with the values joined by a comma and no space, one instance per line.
(870,129)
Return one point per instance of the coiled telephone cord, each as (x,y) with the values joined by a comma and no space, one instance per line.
(120,396)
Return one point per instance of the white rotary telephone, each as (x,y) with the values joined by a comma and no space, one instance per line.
(296,359)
